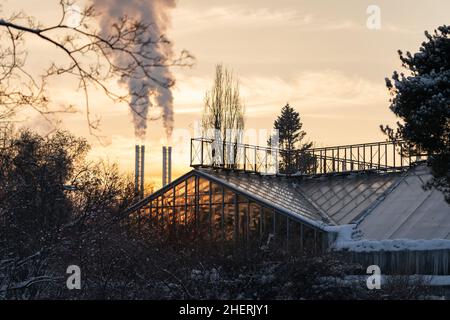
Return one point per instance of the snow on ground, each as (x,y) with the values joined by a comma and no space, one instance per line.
(345,241)
(431,280)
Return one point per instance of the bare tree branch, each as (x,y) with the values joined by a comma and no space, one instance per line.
(90,58)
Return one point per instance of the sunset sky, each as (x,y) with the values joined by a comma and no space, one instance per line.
(317,55)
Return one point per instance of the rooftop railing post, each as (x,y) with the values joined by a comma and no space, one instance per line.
(393,153)
(315,162)
(223,154)
(379,156)
(357,160)
(256,160)
(190,152)
(201,153)
(364,158)
(401,155)
(345,159)
(386,155)
(339,162)
(351,159)
(265,160)
(245,157)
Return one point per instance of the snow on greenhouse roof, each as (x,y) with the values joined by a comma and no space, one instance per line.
(408,211)
(344,198)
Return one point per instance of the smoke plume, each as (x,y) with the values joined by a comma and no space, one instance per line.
(146,94)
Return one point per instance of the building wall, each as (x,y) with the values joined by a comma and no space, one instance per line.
(431,262)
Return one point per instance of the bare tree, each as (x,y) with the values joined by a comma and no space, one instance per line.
(223,117)
(90,58)
(223,110)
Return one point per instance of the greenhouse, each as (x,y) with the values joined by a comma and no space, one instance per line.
(222,205)
(364,200)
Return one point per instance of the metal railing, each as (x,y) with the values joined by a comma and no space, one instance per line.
(377,156)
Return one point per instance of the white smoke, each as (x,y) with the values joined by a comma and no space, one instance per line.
(145,92)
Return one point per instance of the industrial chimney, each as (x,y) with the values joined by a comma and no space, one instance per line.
(136,170)
(166,166)
(142,170)
(139,170)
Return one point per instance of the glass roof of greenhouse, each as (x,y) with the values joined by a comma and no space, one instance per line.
(273,191)
(382,206)
(269,191)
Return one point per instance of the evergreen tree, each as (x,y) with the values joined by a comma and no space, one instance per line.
(290,139)
(421,100)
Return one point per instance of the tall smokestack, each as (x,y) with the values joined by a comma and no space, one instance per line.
(166,165)
(164,182)
(136,171)
(142,170)
(169,166)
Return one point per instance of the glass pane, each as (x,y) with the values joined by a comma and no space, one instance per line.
(190,220)
(319,242)
(191,186)
(308,239)
(168,194)
(180,188)
(242,199)
(229,196)
(159,201)
(229,213)
(280,227)
(243,221)
(268,223)
(191,199)
(181,215)
(216,193)
(203,185)
(294,234)
(153,217)
(203,198)
(204,221)
(180,193)
(166,217)
(203,191)
(216,222)
(160,219)
(168,198)
(254,221)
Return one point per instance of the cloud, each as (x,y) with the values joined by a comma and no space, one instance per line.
(313,91)
(237,17)
(191,19)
